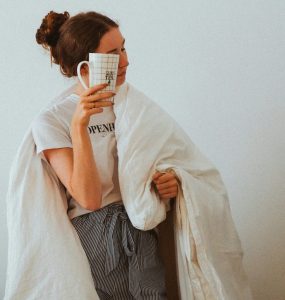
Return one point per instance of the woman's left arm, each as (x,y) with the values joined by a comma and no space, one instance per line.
(166,185)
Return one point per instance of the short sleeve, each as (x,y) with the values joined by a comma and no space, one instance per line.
(49,132)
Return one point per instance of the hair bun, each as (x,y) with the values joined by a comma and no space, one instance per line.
(48,33)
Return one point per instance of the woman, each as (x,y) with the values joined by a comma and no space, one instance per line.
(86,163)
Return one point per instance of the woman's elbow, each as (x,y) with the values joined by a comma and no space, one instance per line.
(91,203)
(88,200)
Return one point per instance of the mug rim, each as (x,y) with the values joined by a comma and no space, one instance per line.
(103,54)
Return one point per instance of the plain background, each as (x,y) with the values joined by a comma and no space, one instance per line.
(216,66)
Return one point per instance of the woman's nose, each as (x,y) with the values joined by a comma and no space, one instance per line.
(123,61)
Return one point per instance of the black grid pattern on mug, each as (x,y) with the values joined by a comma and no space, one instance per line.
(107,72)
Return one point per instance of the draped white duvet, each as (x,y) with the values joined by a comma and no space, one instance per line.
(45,257)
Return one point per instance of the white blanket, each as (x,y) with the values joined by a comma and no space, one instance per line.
(45,257)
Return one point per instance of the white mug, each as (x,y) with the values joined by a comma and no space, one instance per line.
(103,67)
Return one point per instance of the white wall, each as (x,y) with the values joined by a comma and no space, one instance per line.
(217,67)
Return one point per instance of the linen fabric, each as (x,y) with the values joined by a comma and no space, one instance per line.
(45,257)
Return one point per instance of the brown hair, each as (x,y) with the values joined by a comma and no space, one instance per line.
(71,39)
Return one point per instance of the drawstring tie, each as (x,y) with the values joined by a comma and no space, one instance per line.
(113,255)
(120,219)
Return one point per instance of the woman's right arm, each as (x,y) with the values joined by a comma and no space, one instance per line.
(76,167)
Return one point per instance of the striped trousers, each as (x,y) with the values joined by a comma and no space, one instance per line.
(124,261)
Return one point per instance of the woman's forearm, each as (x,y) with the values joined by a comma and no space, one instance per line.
(85,182)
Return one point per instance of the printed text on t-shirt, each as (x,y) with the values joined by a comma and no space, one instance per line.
(102,129)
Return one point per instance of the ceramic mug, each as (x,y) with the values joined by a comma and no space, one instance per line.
(103,67)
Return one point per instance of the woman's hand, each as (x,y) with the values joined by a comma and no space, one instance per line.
(166,185)
(90,104)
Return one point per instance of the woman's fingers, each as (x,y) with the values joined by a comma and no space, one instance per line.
(94,89)
(91,94)
(165,177)
(156,175)
(170,189)
(168,184)
(95,110)
(166,192)
(95,104)
(98,96)
(168,196)
(89,104)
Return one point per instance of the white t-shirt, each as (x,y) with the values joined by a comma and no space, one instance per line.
(51,129)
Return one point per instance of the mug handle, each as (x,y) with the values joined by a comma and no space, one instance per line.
(79,74)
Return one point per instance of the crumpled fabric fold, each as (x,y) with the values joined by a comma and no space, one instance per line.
(45,257)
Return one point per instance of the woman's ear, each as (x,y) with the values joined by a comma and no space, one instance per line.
(84,71)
